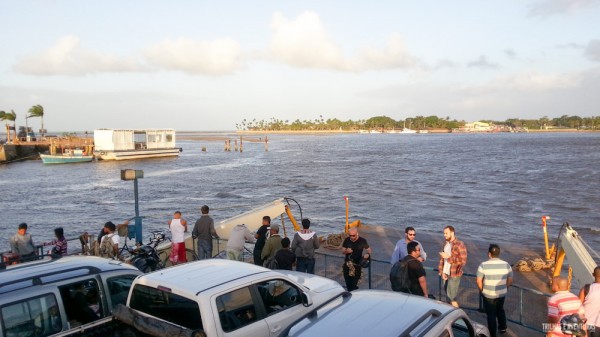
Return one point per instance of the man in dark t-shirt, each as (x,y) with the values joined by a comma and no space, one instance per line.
(261,239)
(416,272)
(353,247)
(285,257)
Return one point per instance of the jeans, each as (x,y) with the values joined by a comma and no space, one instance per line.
(351,281)
(205,248)
(257,259)
(451,287)
(305,264)
(496,317)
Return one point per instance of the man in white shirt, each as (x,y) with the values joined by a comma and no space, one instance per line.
(178,227)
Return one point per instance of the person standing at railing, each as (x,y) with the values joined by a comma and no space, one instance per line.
(240,234)
(60,243)
(261,239)
(353,247)
(22,244)
(178,227)
(494,277)
(453,258)
(303,246)
(400,251)
(590,296)
(204,231)
(561,304)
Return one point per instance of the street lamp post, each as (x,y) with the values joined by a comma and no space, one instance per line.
(134,175)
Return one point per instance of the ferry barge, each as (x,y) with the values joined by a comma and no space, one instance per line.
(124,144)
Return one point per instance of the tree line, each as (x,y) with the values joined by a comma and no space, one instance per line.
(417,122)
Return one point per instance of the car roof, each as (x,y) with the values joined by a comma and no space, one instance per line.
(51,270)
(194,277)
(372,313)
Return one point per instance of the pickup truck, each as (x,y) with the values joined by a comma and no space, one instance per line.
(216,298)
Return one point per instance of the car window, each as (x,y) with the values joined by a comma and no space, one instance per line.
(81,301)
(236,309)
(118,288)
(38,316)
(165,305)
(460,328)
(278,295)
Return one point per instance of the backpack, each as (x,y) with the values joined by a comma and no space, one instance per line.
(399,277)
(272,263)
(106,247)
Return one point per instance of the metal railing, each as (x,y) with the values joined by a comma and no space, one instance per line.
(524,306)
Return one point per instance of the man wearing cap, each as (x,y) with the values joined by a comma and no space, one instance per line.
(22,244)
(272,245)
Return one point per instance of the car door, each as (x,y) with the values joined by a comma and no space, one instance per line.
(240,313)
(282,303)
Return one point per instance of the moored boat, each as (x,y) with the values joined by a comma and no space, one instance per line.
(68,157)
(123,144)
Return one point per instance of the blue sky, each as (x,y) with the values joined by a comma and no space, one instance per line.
(200,65)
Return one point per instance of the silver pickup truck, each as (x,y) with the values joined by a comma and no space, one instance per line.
(219,298)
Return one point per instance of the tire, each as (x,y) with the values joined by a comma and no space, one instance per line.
(189,254)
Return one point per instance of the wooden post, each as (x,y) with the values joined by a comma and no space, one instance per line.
(266,143)
(241,145)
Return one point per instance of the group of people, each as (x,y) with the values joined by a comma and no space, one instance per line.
(494,276)
(23,249)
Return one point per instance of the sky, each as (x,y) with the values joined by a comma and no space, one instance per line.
(208,65)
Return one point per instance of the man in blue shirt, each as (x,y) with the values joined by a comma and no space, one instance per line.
(400,250)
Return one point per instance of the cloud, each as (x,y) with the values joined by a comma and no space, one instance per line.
(304,42)
(511,54)
(550,7)
(482,62)
(67,57)
(592,51)
(217,57)
(533,81)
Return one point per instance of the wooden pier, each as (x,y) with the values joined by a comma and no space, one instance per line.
(21,149)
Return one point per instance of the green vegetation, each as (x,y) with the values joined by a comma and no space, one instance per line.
(418,122)
(37,111)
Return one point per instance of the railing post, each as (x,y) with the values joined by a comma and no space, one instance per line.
(369,277)
(520,306)
(440,287)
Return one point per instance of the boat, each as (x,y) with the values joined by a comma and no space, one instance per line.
(68,157)
(124,144)
(407,131)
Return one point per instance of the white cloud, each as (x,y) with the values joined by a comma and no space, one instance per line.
(217,57)
(482,62)
(550,7)
(67,57)
(533,81)
(592,51)
(304,42)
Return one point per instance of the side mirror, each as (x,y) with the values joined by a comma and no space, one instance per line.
(306,300)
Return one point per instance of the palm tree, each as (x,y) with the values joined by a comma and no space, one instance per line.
(37,111)
(11,116)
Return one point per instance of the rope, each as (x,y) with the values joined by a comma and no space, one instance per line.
(529,264)
(334,241)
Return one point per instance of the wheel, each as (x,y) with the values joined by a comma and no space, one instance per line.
(189,254)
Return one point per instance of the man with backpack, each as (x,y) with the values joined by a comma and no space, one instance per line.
(408,274)
(109,244)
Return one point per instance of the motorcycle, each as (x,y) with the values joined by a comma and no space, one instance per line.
(145,257)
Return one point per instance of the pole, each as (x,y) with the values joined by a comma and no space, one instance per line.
(544,218)
(138,219)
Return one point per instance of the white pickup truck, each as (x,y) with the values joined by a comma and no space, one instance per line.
(218,298)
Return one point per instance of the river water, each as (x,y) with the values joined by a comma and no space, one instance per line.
(492,187)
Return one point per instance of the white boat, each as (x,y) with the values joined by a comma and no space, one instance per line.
(423,131)
(407,131)
(123,144)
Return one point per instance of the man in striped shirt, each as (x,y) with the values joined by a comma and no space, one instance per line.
(561,304)
(494,276)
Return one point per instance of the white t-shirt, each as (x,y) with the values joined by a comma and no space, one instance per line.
(177,231)
(447,250)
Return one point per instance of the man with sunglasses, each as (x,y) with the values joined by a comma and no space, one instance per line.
(353,247)
(400,250)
